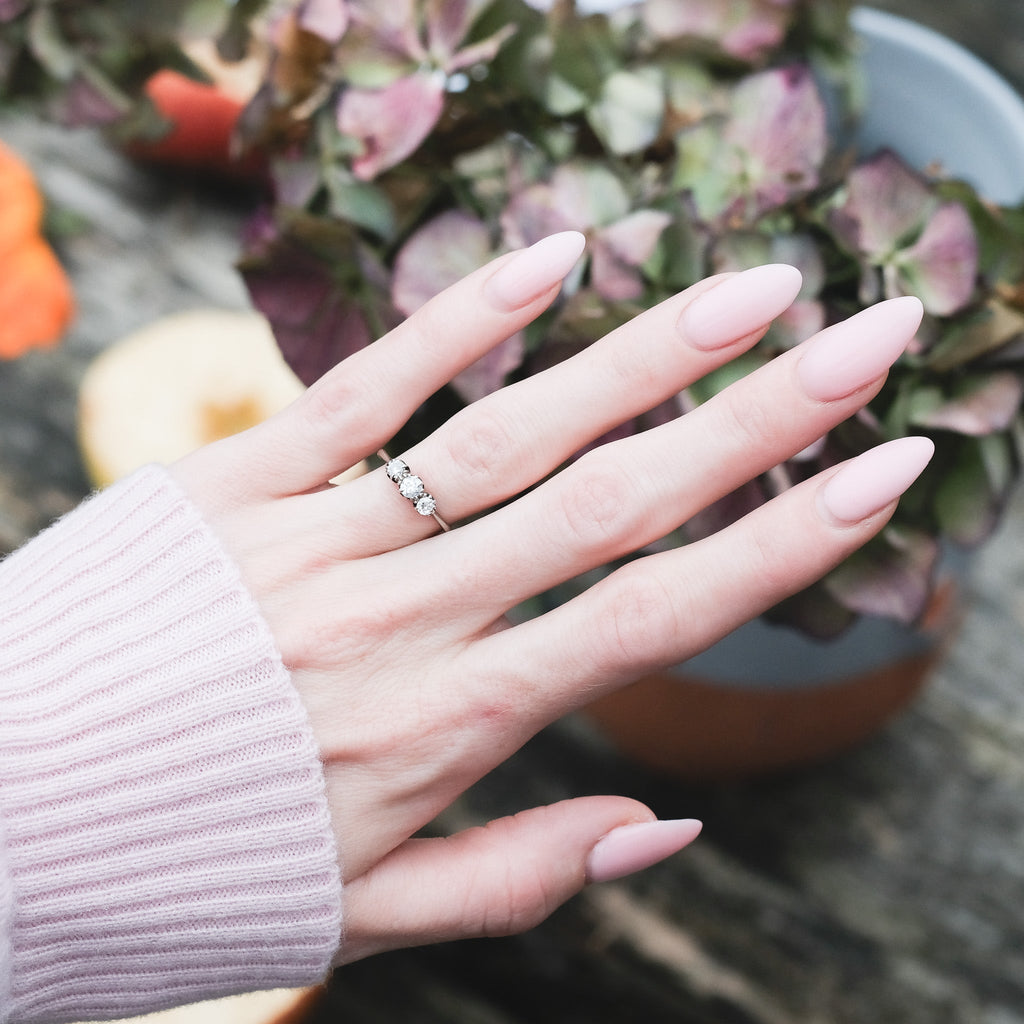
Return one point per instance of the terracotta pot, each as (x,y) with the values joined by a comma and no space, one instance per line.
(767,698)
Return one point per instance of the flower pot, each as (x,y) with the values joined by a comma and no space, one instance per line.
(768,698)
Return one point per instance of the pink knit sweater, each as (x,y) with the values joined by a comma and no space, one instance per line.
(164,833)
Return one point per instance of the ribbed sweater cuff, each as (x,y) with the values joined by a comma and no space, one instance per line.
(166,836)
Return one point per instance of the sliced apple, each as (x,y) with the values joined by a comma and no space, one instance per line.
(176,384)
(278,1006)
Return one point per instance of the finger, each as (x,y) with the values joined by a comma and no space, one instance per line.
(636,490)
(662,609)
(361,403)
(505,877)
(506,442)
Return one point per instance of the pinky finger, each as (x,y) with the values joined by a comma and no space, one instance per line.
(504,877)
(665,608)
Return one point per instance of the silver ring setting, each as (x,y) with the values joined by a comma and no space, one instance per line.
(411,487)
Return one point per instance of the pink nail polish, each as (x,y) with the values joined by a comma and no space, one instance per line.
(870,482)
(635,847)
(848,356)
(534,271)
(739,305)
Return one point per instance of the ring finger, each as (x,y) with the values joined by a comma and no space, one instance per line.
(506,442)
(634,491)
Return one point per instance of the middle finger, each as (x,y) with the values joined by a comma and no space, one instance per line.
(634,491)
(504,443)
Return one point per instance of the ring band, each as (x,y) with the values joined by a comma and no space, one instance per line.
(411,486)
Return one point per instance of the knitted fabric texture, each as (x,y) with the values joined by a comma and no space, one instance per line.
(164,826)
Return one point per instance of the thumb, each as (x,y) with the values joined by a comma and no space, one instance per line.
(503,877)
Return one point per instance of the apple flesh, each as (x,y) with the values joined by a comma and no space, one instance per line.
(277,1006)
(176,384)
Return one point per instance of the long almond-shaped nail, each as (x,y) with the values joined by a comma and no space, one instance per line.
(532,272)
(739,305)
(846,357)
(870,482)
(632,848)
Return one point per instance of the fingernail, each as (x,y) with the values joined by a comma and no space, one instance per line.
(870,482)
(635,847)
(534,271)
(739,306)
(846,357)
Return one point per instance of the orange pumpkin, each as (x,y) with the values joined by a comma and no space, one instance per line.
(36,303)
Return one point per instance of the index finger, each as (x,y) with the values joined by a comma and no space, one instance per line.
(361,403)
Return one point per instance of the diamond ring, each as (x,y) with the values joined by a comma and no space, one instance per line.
(411,486)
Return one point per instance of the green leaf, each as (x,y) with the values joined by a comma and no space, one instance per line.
(48,44)
(966,506)
(360,202)
(585,55)
(628,116)
(973,336)
(561,97)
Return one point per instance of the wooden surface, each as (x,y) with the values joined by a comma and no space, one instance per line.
(886,886)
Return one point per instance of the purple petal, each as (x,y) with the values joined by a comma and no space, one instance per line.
(10,9)
(327,19)
(941,268)
(315,325)
(315,320)
(728,510)
(390,122)
(752,39)
(295,181)
(634,238)
(589,194)
(617,250)
(480,53)
(488,373)
(885,202)
(745,29)
(393,23)
(743,250)
(84,105)
(777,125)
(440,253)
(447,23)
(891,580)
(795,325)
(612,278)
(982,407)
(579,197)
(531,216)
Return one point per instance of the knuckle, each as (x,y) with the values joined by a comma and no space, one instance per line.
(643,621)
(529,895)
(481,444)
(335,401)
(752,424)
(767,560)
(599,504)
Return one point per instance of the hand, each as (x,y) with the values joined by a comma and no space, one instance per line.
(395,633)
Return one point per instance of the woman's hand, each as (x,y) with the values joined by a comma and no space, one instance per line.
(395,633)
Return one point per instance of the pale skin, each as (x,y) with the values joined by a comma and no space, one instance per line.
(395,634)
